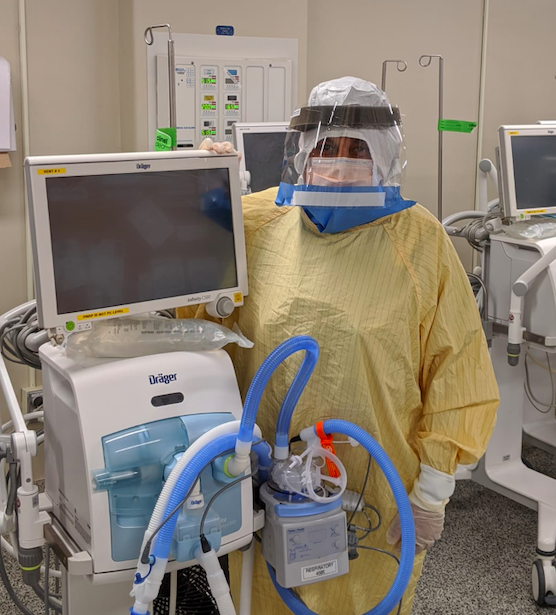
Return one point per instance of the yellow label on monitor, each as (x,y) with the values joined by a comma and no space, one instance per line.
(238,297)
(51,171)
(104,314)
(513,133)
(535,211)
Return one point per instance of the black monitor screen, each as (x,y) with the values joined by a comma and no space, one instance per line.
(264,153)
(534,159)
(132,237)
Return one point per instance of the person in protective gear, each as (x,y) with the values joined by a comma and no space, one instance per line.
(376,281)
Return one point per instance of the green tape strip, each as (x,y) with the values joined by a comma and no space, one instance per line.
(456,126)
(165,139)
(30,569)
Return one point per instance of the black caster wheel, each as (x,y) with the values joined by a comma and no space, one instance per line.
(539,583)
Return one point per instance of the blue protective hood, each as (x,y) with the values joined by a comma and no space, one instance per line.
(338,219)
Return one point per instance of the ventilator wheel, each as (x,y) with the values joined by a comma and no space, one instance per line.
(539,583)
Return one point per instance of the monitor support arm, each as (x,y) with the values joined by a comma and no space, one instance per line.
(519,290)
(23,444)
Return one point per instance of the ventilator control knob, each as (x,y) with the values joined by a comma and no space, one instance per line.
(221,308)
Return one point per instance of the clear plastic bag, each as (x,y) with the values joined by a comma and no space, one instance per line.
(538,228)
(140,336)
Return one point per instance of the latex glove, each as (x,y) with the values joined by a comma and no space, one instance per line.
(431,492)
(224,147)
(428,528)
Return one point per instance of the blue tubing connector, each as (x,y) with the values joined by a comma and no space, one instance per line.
(254,395)
(405,570)
(263,450)
(187,478)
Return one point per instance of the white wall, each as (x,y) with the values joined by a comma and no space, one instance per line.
(521,66)
(356,38)
(74,94)
(284,19)
(12,221)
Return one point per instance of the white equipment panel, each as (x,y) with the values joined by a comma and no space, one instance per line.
(221,81)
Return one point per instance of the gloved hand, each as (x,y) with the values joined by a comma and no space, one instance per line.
(431,492)
(428,528)
(224,147)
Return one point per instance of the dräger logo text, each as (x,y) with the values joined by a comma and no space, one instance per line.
(142,165)
(163,378)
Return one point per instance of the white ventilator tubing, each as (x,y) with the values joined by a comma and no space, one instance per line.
(200,443)
(219,587)
(148,590)
(247,566)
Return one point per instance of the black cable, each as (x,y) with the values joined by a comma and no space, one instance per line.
(12,484)
(13,337)
(392,556)
(213,498)
(57,578)
(145,553)
(362,490)
(9,587)
(46,579)
(39,592)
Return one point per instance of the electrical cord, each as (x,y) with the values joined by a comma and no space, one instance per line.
(529,391)
(476,232)
(393,557)
(11,484)
(371,528)
(362,490)
(146,550)
(538,363)
(46,579)
(13,335)
(213,498)
(485,293)
(55,605)
(9,588)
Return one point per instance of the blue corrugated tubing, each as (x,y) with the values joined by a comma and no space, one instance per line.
(187,478)
(254,395)
(263,451)
(405,570)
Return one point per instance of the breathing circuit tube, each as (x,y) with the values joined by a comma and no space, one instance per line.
(243,442)
(396,591)
(255,393)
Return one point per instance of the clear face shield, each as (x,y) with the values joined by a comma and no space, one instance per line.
(343,156)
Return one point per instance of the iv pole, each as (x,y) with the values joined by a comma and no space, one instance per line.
(401,65)
(149,39)
(425,61)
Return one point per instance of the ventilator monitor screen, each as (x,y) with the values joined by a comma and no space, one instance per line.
(534,166)
(132,237)
(264,153)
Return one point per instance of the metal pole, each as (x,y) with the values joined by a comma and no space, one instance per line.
(425,61)
(172,80)
(149,39)
(401,65)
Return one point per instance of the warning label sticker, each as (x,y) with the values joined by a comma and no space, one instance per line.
(104,314)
